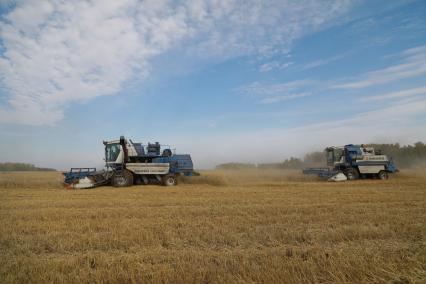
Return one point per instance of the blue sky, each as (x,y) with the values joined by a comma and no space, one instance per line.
(249,81)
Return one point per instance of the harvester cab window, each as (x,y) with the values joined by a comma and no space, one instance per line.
(368,151)
(333,155)
(330,157)
(112,152)
(338,155)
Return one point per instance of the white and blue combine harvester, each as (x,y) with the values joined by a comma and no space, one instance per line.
(352,162)
(129,163)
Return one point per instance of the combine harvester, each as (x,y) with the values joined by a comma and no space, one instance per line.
(129,163)
(351,162)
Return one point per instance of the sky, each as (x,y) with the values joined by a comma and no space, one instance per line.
(225,81)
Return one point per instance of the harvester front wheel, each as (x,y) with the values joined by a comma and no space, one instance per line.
(383,175)
(169,180)
(123,179)
(352,174)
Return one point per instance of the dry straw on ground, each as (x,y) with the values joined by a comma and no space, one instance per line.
(233,226)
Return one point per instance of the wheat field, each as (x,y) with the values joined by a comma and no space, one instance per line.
(224,226)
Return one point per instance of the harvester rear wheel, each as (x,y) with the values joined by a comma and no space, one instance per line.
(169,180)
(383,175)
(123,179)
(352,174)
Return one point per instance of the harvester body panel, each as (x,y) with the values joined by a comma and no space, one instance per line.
(179,163)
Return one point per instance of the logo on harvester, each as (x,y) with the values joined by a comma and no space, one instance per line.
(374,158)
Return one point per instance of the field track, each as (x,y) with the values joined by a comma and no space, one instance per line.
(235,226)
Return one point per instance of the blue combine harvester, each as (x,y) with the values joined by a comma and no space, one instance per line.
(352,162)
(129,163)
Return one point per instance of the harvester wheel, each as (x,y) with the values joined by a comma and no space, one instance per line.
(169,180)
(124,179)
(383,175)
(352,174)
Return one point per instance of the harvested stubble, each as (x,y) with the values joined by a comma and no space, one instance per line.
(234,226)
(30,180)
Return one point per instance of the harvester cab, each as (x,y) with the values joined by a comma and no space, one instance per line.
(353,162)
(113,153)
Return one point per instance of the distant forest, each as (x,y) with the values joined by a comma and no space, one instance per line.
(8,167)
(406,156)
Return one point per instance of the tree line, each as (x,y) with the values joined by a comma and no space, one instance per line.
(406,156)
(8,167)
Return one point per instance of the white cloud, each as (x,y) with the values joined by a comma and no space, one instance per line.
(397,95)
(274,65)
(281,98)
(320,62)
(58,52)
(413,64)
(278,92)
